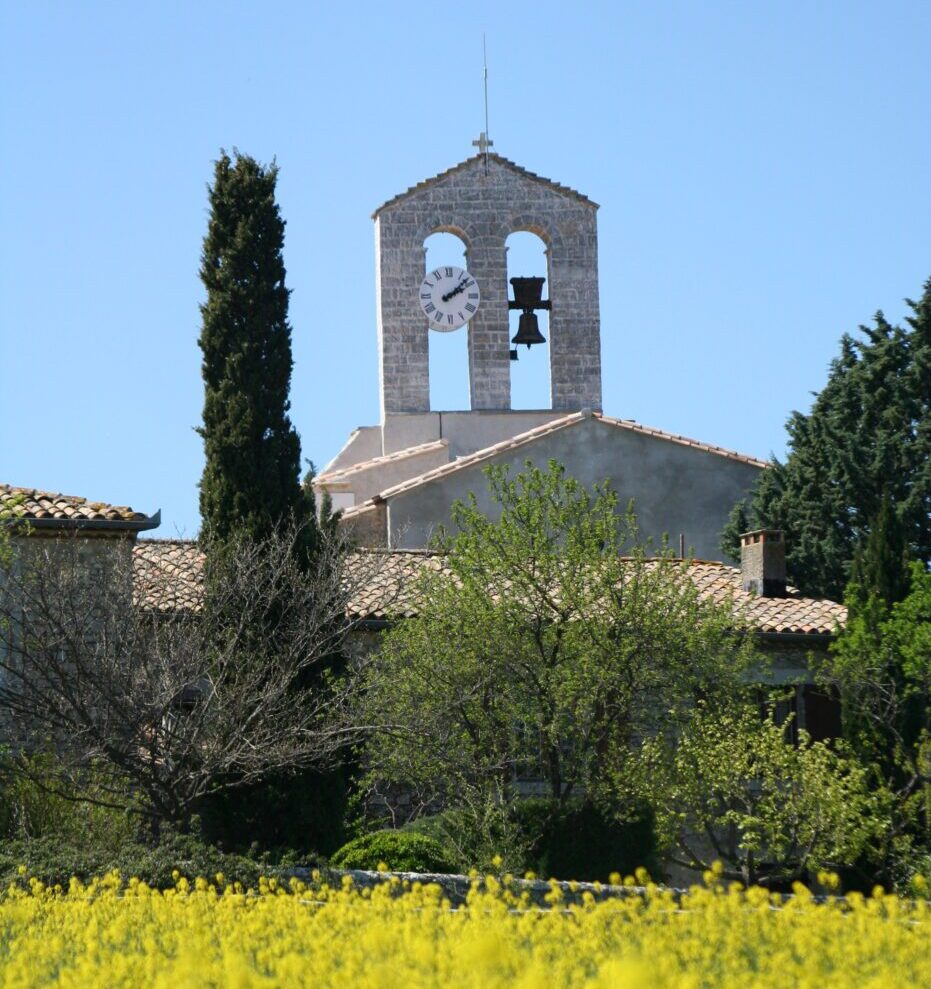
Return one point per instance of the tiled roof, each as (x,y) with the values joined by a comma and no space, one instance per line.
(514,442)
(49,509)
(426,183)
(335,476)
(168,575)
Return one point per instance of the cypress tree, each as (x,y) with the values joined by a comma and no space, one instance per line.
(867,437)
(251,480)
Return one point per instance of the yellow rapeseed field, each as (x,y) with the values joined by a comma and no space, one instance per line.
(114,934)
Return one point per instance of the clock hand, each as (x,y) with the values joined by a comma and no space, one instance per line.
(459,288)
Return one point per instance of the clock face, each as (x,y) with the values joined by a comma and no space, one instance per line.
(449,298)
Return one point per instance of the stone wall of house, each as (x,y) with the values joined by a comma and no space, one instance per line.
(89,554)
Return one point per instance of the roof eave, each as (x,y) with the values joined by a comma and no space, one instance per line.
(822,639)
(103,525)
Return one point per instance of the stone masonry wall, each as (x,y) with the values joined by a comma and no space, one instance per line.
(483,210)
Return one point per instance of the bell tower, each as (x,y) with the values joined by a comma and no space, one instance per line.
(483,201)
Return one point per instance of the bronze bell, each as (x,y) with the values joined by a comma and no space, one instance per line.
(527,296)
(528,330)
(528,293)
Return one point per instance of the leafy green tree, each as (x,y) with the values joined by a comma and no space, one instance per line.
(881,667)
(868,435)
(546,640)
(251,480)
(731,789)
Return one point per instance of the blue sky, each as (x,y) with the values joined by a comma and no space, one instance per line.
(763,170)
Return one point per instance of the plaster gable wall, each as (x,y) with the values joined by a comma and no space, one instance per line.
(369,481)
(675,488)
(364,443)
(484,209)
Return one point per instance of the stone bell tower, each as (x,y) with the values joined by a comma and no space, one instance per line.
(483,200)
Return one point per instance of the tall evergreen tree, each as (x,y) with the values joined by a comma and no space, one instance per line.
(868,435)
(251,479)
(251,482)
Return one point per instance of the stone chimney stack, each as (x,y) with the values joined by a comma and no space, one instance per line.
(763,562)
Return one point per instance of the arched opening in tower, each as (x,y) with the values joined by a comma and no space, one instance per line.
(449,352)
(530,373)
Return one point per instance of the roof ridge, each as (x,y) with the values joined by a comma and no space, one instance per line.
(511,443)
(409,451)
(163,540)
(172,579)
(501,160)
(638,427)
(42,493)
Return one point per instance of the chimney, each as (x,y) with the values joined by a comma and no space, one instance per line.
(763,563)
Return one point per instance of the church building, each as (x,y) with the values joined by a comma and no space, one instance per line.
(395,481)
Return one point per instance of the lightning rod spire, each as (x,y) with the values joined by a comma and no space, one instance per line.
(484,142)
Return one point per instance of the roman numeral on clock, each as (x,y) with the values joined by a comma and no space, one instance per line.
(469,308)
(429,307)
(439,316)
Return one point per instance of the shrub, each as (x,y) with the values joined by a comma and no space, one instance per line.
(580,840)
(56,860)
(576,840)
(38,799)
(483,837)
(401,851)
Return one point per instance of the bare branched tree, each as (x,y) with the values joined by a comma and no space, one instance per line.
(179,682)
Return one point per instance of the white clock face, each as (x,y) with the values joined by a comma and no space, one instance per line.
(449,298)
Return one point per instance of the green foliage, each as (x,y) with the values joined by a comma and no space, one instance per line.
(880,563)
(54,859)
(881,667)
(868,435)
(731,788)
(302,811)
(251,484)
(251,481)
(480,833)
(401,851)
(564,840)
(584,841)
(38,799)
(551,642)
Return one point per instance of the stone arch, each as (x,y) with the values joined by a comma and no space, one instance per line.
(528,254)
(448,378)
(533,223)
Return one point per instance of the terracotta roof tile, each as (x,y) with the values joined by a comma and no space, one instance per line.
(49,508)
(426,183)
(169,575)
